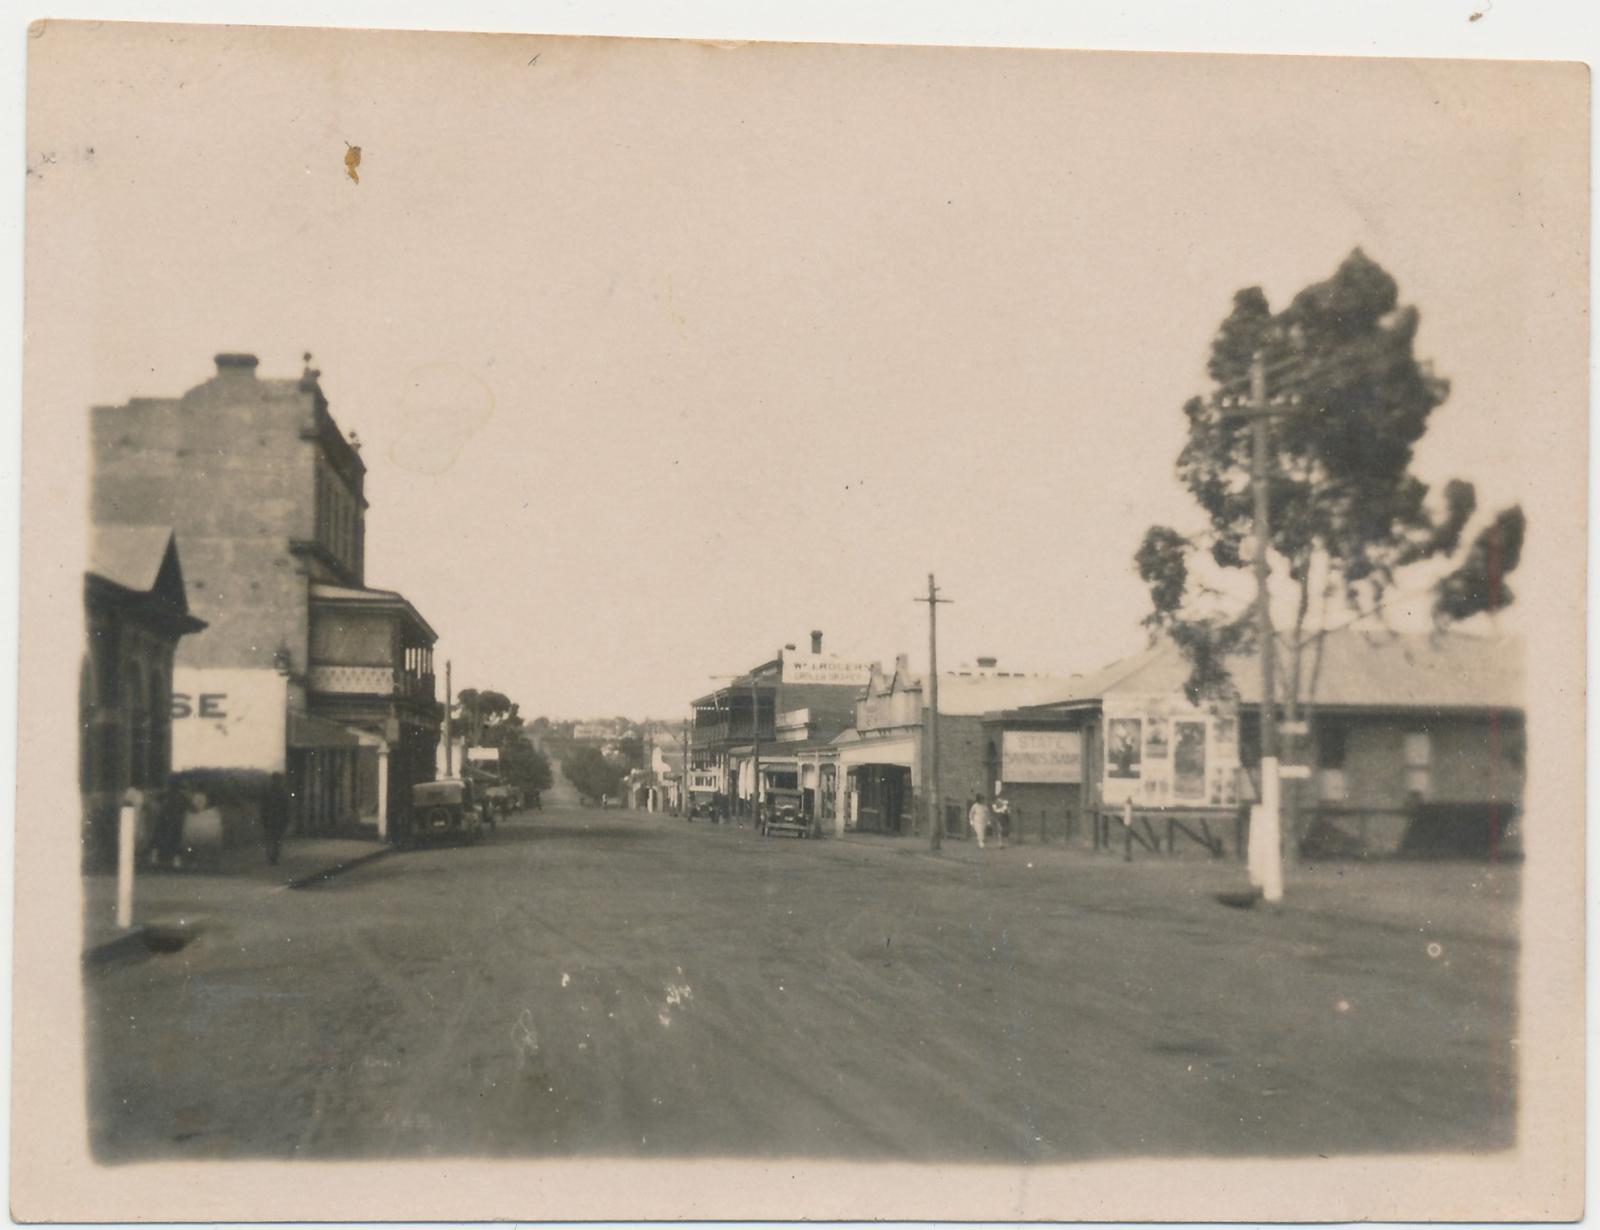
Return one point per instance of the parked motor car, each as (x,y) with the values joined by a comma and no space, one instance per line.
(501,800)
(783,811)
(451,808)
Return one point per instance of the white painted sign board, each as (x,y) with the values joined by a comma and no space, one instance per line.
(229,719)
(1041,756)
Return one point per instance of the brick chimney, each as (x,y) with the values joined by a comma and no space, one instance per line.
(816,642)
(237,366)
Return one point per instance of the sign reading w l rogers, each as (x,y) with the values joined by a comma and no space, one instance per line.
(806,668)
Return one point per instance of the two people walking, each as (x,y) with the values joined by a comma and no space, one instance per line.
(990,819)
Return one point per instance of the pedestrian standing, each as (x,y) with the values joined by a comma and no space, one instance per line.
(978,816)
(171,812)
(1002,818)
(274,816)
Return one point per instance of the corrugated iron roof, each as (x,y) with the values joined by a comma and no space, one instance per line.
(1360,668)
(307,730)
(323,592)
(973,693)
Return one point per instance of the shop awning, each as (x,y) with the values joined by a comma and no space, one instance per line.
(310,733)
(896,751)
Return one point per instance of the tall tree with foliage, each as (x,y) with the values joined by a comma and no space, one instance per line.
(1350,401)
(591,774)
(486,717)
(525,766)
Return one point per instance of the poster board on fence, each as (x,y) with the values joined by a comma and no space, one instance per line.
(1162,751)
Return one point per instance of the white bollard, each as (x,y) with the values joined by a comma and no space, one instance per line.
(1266,839)
(127,829)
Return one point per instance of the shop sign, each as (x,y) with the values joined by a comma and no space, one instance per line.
(229,719)
(1041,756)
(818,668)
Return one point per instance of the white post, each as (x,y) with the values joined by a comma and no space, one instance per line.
(1266,861)
(127,829)
(383,792)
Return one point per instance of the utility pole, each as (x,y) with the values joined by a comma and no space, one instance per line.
(1266,839)
(755,755)
(755,740)
(935,821)
(449,755)
(649,766)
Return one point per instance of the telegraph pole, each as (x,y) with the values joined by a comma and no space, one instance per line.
(755,739)
(1266,839)
(649,765)
(755,755)
(935,821)
(449,761)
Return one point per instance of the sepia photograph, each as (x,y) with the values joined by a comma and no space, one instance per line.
(666,628)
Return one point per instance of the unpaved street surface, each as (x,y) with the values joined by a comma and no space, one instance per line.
(610,983)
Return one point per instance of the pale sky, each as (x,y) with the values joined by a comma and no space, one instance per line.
(663,355)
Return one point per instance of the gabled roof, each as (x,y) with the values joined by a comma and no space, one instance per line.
(1443,671)
(137,566)
(1361,668)
(131,556)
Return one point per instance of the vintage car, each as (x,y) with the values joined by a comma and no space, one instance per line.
(450,808)
(502,800)
(784,812)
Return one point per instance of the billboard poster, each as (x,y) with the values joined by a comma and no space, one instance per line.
(1161,751)
(1124,737)
(1189,762)
(1155,737)
(229,719)
(1041,756)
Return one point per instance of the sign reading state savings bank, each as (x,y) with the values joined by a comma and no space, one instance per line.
(229,719)
(815,668)
(1041,756)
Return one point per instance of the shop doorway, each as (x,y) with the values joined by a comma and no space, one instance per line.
(885,798)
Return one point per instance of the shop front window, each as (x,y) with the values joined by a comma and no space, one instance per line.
(1419,764)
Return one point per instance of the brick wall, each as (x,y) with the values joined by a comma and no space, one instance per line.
(227,468)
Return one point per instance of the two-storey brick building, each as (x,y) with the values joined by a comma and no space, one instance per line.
(303,669)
